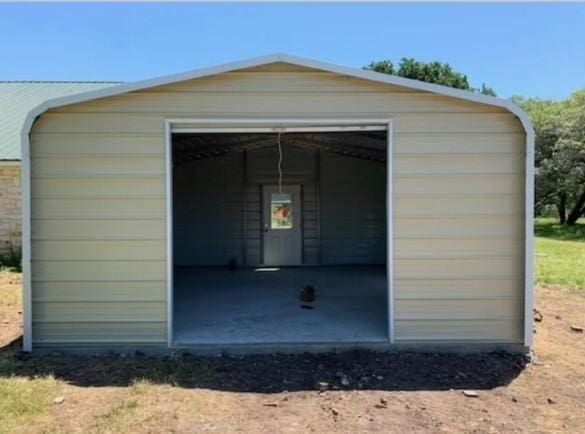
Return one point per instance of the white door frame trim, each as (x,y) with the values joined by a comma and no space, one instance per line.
(528,234)
(390,227)
(25,175)
(282,125)
(169,228)
(288,129)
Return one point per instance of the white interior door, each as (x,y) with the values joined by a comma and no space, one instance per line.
(282,233)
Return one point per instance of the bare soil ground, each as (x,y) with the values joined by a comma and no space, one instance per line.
(406,392)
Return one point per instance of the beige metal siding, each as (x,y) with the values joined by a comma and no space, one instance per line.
(98,238)
(459,255)
(98,208)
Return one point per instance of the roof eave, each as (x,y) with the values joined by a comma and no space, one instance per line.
(286,58)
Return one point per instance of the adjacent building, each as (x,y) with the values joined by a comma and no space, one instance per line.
(17,98)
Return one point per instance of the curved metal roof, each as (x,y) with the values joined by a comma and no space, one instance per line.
(17,98)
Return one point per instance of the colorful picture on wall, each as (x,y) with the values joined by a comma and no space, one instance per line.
(281,211)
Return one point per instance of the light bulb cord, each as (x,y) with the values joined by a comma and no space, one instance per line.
(279,164)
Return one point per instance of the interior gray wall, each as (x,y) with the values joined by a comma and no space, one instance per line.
(299,167)
(353,210)
(208,206)
(218,207)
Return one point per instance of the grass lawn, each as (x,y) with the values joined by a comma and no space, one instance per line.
(560,254)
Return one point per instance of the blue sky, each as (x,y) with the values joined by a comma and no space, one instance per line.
(525,49)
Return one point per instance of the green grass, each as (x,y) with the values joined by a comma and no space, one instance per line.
(24,400)
(560,253)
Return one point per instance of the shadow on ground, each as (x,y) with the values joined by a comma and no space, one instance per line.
(352,370)
(550,228)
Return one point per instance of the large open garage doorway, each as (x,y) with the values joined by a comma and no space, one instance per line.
(280,237)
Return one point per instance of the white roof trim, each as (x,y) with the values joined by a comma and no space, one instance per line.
(286,58)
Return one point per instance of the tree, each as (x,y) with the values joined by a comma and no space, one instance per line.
(571,150)
(487,90)
(559,155)
(546,119)
(383,66)
(431,72)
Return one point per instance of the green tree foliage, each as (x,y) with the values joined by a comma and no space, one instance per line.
(560,154)
(383,66)
(487,90)
(431,72)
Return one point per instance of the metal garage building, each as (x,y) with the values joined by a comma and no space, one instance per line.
(188,211)
(17,98)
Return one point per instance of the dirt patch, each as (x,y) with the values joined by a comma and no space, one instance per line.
(10,307)
(360,391)
(355,370)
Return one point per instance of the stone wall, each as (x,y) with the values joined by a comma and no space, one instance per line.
(10,227)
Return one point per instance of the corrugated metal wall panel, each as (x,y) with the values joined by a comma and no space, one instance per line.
(353,210)
(208,213)
(208,202)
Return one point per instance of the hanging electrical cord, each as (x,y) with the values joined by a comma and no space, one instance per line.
(279,164)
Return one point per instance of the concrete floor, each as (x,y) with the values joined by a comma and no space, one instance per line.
(247,306)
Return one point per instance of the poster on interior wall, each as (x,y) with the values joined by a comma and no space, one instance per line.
(281,211)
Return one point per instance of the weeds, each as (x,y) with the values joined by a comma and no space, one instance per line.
(12,260)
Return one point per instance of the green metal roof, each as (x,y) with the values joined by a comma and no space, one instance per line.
(17,98)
